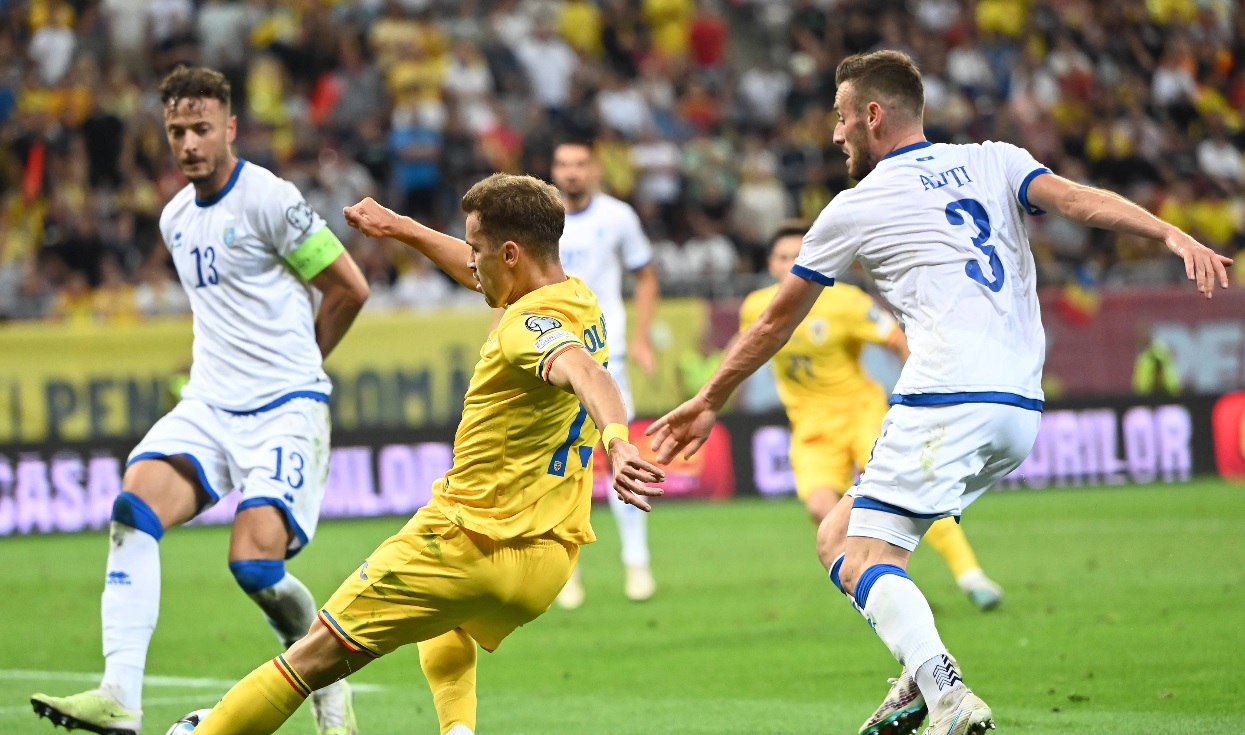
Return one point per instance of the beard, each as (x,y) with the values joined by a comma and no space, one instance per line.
(863,162)
(203,175)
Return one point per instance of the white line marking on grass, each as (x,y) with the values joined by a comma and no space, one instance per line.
(172,682)
(26,709)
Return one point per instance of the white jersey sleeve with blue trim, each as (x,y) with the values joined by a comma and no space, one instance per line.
(830,245)
(1020,168)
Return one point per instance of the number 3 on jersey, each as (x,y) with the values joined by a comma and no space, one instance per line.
(955,215)
(205,267)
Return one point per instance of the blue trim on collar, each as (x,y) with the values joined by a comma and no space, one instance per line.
(233,179)
(907,149)
(591,200)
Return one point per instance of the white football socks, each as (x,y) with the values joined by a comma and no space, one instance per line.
(902,618)
(459,730)
(289,607)
(291,610)
(130,607)
(632,531)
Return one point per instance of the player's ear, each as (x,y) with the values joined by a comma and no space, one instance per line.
(510,252)
(874,115)
(231,129)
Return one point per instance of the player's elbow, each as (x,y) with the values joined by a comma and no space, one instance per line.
(355,294)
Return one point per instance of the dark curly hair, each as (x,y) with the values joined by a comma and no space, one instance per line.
(189,82)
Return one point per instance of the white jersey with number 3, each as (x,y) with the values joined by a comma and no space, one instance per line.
(244,257)
(597,243)
(940,228)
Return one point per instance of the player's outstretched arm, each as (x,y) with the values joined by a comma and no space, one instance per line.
(345,290)
(576,371)
(449,253)
(1110,211)
(687,427)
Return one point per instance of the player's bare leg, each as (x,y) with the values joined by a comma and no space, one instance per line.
(257,552)
(269,695)
(820,502)
(449,663)
(157,494)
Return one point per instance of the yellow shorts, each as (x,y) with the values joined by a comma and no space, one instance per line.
(828,453)
(434,576)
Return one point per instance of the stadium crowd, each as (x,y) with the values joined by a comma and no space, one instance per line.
(713,118)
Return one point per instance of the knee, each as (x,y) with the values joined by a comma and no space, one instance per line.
(131,510)
(849,573)
(257,575)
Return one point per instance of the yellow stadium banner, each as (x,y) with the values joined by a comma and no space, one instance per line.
(74,382)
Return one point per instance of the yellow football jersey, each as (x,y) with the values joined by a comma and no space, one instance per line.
(819,367)
(523,450)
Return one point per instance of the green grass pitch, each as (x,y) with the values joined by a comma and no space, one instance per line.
(1124,614)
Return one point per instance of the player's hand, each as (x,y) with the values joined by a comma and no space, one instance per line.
(642,353)
(684,429)
(631,473)
(371,218)
(1201,264)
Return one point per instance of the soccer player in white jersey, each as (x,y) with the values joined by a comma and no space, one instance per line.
(272,292)
(603,238)
(940,228)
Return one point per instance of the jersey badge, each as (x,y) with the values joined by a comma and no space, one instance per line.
(300,216)
(541,324)
(177,239)
(818,330)
(228,237)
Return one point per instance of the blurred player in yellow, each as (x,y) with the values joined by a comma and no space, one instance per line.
(836,410)
(502,533)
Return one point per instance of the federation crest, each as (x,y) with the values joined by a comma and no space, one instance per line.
(228,236)
(541,324)
(818,330)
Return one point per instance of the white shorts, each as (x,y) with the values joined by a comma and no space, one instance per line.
(618,369)
(932,462)
(278,457)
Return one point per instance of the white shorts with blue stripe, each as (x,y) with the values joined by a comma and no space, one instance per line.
(278,455)
(933,461)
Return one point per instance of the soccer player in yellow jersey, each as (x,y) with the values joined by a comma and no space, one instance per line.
(836,410)
(505,524)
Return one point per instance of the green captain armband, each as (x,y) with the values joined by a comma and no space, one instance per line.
(315,254)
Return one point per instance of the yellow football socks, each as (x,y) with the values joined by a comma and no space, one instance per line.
(449,663)
(949,541)
(259,704)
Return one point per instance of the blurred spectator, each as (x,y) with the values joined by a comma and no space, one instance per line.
(622,107)
(550,64)
(1219,159)
(416,149)
(763,92)
(52,46)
